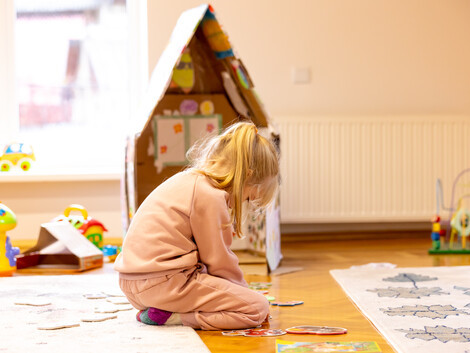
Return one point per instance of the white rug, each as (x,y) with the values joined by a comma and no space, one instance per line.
(19,323)
(419,310)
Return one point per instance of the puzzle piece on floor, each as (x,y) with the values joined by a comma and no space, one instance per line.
(262,291)
(98,318)
(33,302)
(58,325)
(233,333)
(288,303)
(255,332)
(110,308)
(260,285)
(317,330)
(264,332)
(117,300)
(114,293)
(95,296)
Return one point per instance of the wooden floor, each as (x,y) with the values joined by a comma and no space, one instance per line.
(325,302)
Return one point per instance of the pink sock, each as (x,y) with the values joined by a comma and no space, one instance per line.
(153,316)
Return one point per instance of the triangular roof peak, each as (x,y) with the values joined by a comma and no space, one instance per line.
(216,67)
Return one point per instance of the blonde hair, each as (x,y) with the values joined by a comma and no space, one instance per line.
(235,159)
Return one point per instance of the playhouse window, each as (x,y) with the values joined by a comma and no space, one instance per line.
(73,79)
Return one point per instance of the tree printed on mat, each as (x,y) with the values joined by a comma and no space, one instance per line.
(465,290)
(413,293)
(440,332)
(426,311)
(410,277)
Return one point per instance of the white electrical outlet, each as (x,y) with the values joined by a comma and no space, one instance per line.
(301,75)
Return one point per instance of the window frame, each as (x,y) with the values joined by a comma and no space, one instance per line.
(138,68)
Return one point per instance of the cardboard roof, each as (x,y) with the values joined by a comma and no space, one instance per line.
(232,75)
(61,245)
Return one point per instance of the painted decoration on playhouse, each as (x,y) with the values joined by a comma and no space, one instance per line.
(174,135)
(183,73)
(218,40)
(241,74)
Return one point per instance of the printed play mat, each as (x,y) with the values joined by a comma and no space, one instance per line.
(419,310)
(80,313)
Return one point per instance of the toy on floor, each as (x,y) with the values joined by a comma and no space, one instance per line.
(451,237)
(90,228)
(256,332)
(317,330)
(287,303)
(7,252)
(17,154)
(110,252)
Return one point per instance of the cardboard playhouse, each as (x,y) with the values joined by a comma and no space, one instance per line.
(198,86)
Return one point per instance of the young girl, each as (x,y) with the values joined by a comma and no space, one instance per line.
(176,265)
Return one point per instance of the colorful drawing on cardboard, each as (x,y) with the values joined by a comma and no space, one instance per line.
(241,74)
(173,135)
(217,39)
(254,229)
(183,73)
(200,127)
(170,142)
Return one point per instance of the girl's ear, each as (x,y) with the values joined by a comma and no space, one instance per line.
(249,173)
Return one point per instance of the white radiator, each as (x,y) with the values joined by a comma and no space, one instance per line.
(369,169)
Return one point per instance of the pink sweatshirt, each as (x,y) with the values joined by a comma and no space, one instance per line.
(185,222)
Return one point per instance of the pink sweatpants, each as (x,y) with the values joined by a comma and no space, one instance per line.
(203,301)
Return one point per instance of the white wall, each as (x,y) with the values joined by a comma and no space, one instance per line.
(36,202)
(366,56)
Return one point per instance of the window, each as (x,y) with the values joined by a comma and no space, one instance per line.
(79,74)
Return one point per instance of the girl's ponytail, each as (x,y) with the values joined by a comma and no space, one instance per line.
(238,157)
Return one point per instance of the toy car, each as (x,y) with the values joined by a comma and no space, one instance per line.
(19,154)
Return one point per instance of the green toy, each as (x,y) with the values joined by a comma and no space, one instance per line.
(7,252)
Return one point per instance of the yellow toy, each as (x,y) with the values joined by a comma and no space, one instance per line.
(90,228)
(17,154)
(460,225)
(7,252)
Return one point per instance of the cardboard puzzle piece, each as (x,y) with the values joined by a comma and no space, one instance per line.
(58,325)
(98,318)
(111,308)
(33,302)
